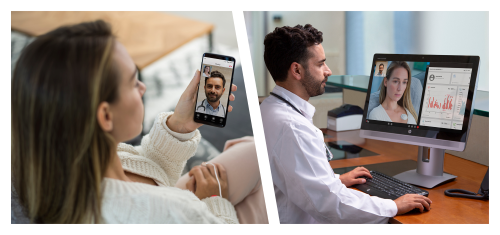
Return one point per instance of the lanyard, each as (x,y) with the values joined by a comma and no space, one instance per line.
(288,102)
(329,155)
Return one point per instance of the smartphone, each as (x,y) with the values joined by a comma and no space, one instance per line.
(212,99)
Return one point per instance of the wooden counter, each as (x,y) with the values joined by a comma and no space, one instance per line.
(147,36)
(444,209)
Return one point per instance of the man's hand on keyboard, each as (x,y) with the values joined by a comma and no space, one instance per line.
(409,202)
(353,177)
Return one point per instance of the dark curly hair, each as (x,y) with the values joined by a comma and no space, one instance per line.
(286,45)
(217,74)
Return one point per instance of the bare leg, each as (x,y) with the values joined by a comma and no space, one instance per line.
(244,185)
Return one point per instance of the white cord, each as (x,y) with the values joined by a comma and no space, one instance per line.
(217,178)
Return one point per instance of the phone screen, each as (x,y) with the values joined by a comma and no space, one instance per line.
(214,89)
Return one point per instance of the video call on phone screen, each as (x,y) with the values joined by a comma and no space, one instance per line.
(214,90)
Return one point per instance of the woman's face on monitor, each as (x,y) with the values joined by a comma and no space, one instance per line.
(396,84)
(207,69)
(128,110)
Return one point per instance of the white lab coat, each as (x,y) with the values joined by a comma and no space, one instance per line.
(305,186)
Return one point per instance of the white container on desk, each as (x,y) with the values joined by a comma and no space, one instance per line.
(346,123)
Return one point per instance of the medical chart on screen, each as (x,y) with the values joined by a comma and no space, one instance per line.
(445,97)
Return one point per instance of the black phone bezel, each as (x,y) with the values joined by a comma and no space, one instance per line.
(205,122)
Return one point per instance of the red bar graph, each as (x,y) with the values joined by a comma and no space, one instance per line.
(447,103)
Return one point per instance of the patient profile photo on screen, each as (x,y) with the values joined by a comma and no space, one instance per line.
(206,71)
(397,98)
(214,91)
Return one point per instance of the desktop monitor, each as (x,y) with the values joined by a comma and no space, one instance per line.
(423,100)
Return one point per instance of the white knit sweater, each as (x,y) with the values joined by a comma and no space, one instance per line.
(161,157)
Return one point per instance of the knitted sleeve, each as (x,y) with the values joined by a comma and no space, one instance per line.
(222,209)
(161,156)
(126,202)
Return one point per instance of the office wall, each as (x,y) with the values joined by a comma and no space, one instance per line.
(332,24)
(254,21)
(433,32)
(371,32)
(477,148)
(379,32)
(455,33)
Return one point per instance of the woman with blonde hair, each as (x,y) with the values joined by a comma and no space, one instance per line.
(75,97)
(395,99)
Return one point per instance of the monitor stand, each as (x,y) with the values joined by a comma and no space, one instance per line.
(429,172)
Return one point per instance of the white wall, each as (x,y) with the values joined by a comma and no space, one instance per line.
(445,33)
(332,24)
(254,21)
(455,33)
(379,35)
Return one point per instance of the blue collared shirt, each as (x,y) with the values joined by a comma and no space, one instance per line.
(219,111)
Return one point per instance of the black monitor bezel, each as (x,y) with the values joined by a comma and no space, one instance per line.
(429,132)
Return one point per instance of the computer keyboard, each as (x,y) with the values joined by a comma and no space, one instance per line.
(384,186)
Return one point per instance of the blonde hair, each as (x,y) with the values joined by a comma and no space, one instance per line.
(405,102)
(59,152)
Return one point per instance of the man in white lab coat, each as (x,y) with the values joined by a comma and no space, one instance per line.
(306,188)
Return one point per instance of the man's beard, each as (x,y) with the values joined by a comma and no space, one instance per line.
(313,87)
(215,99)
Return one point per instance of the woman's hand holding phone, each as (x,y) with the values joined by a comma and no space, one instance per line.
(203,182)
(182,121)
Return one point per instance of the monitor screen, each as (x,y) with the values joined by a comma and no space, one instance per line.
(421,95)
